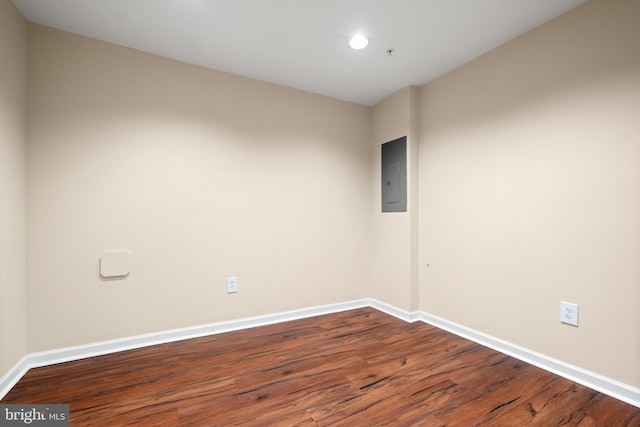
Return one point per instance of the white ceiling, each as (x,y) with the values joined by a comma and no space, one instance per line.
(303,43)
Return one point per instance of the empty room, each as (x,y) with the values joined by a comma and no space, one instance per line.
(320,212)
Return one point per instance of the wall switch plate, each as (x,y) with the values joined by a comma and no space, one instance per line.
(569,313)
(232,285)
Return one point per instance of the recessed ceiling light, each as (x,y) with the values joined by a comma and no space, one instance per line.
(358,42)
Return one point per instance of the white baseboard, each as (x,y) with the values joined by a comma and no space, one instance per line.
(111,346)
(608,386)
(67,354)
(11,378)
(394,311)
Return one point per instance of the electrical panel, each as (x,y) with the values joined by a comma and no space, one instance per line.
(394,175)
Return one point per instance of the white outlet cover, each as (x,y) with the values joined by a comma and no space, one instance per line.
(232,285)
(569,313)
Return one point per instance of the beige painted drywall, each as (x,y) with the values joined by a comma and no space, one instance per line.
(530,190)
(526,175)
(200,175)
(394,267)
(13,143)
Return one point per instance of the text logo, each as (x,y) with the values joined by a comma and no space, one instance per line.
(34,415)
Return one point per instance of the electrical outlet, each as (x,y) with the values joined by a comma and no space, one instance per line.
(232,285)
(569,313)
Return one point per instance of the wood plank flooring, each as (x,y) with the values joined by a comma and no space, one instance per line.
(354,368)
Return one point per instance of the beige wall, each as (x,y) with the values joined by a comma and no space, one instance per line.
(13,142)
(394,267)
(524,190)
(530,190)
(199,174)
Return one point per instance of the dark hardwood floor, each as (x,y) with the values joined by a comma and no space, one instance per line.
(355,368)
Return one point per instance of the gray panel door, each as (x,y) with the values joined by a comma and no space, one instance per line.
(394,175)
